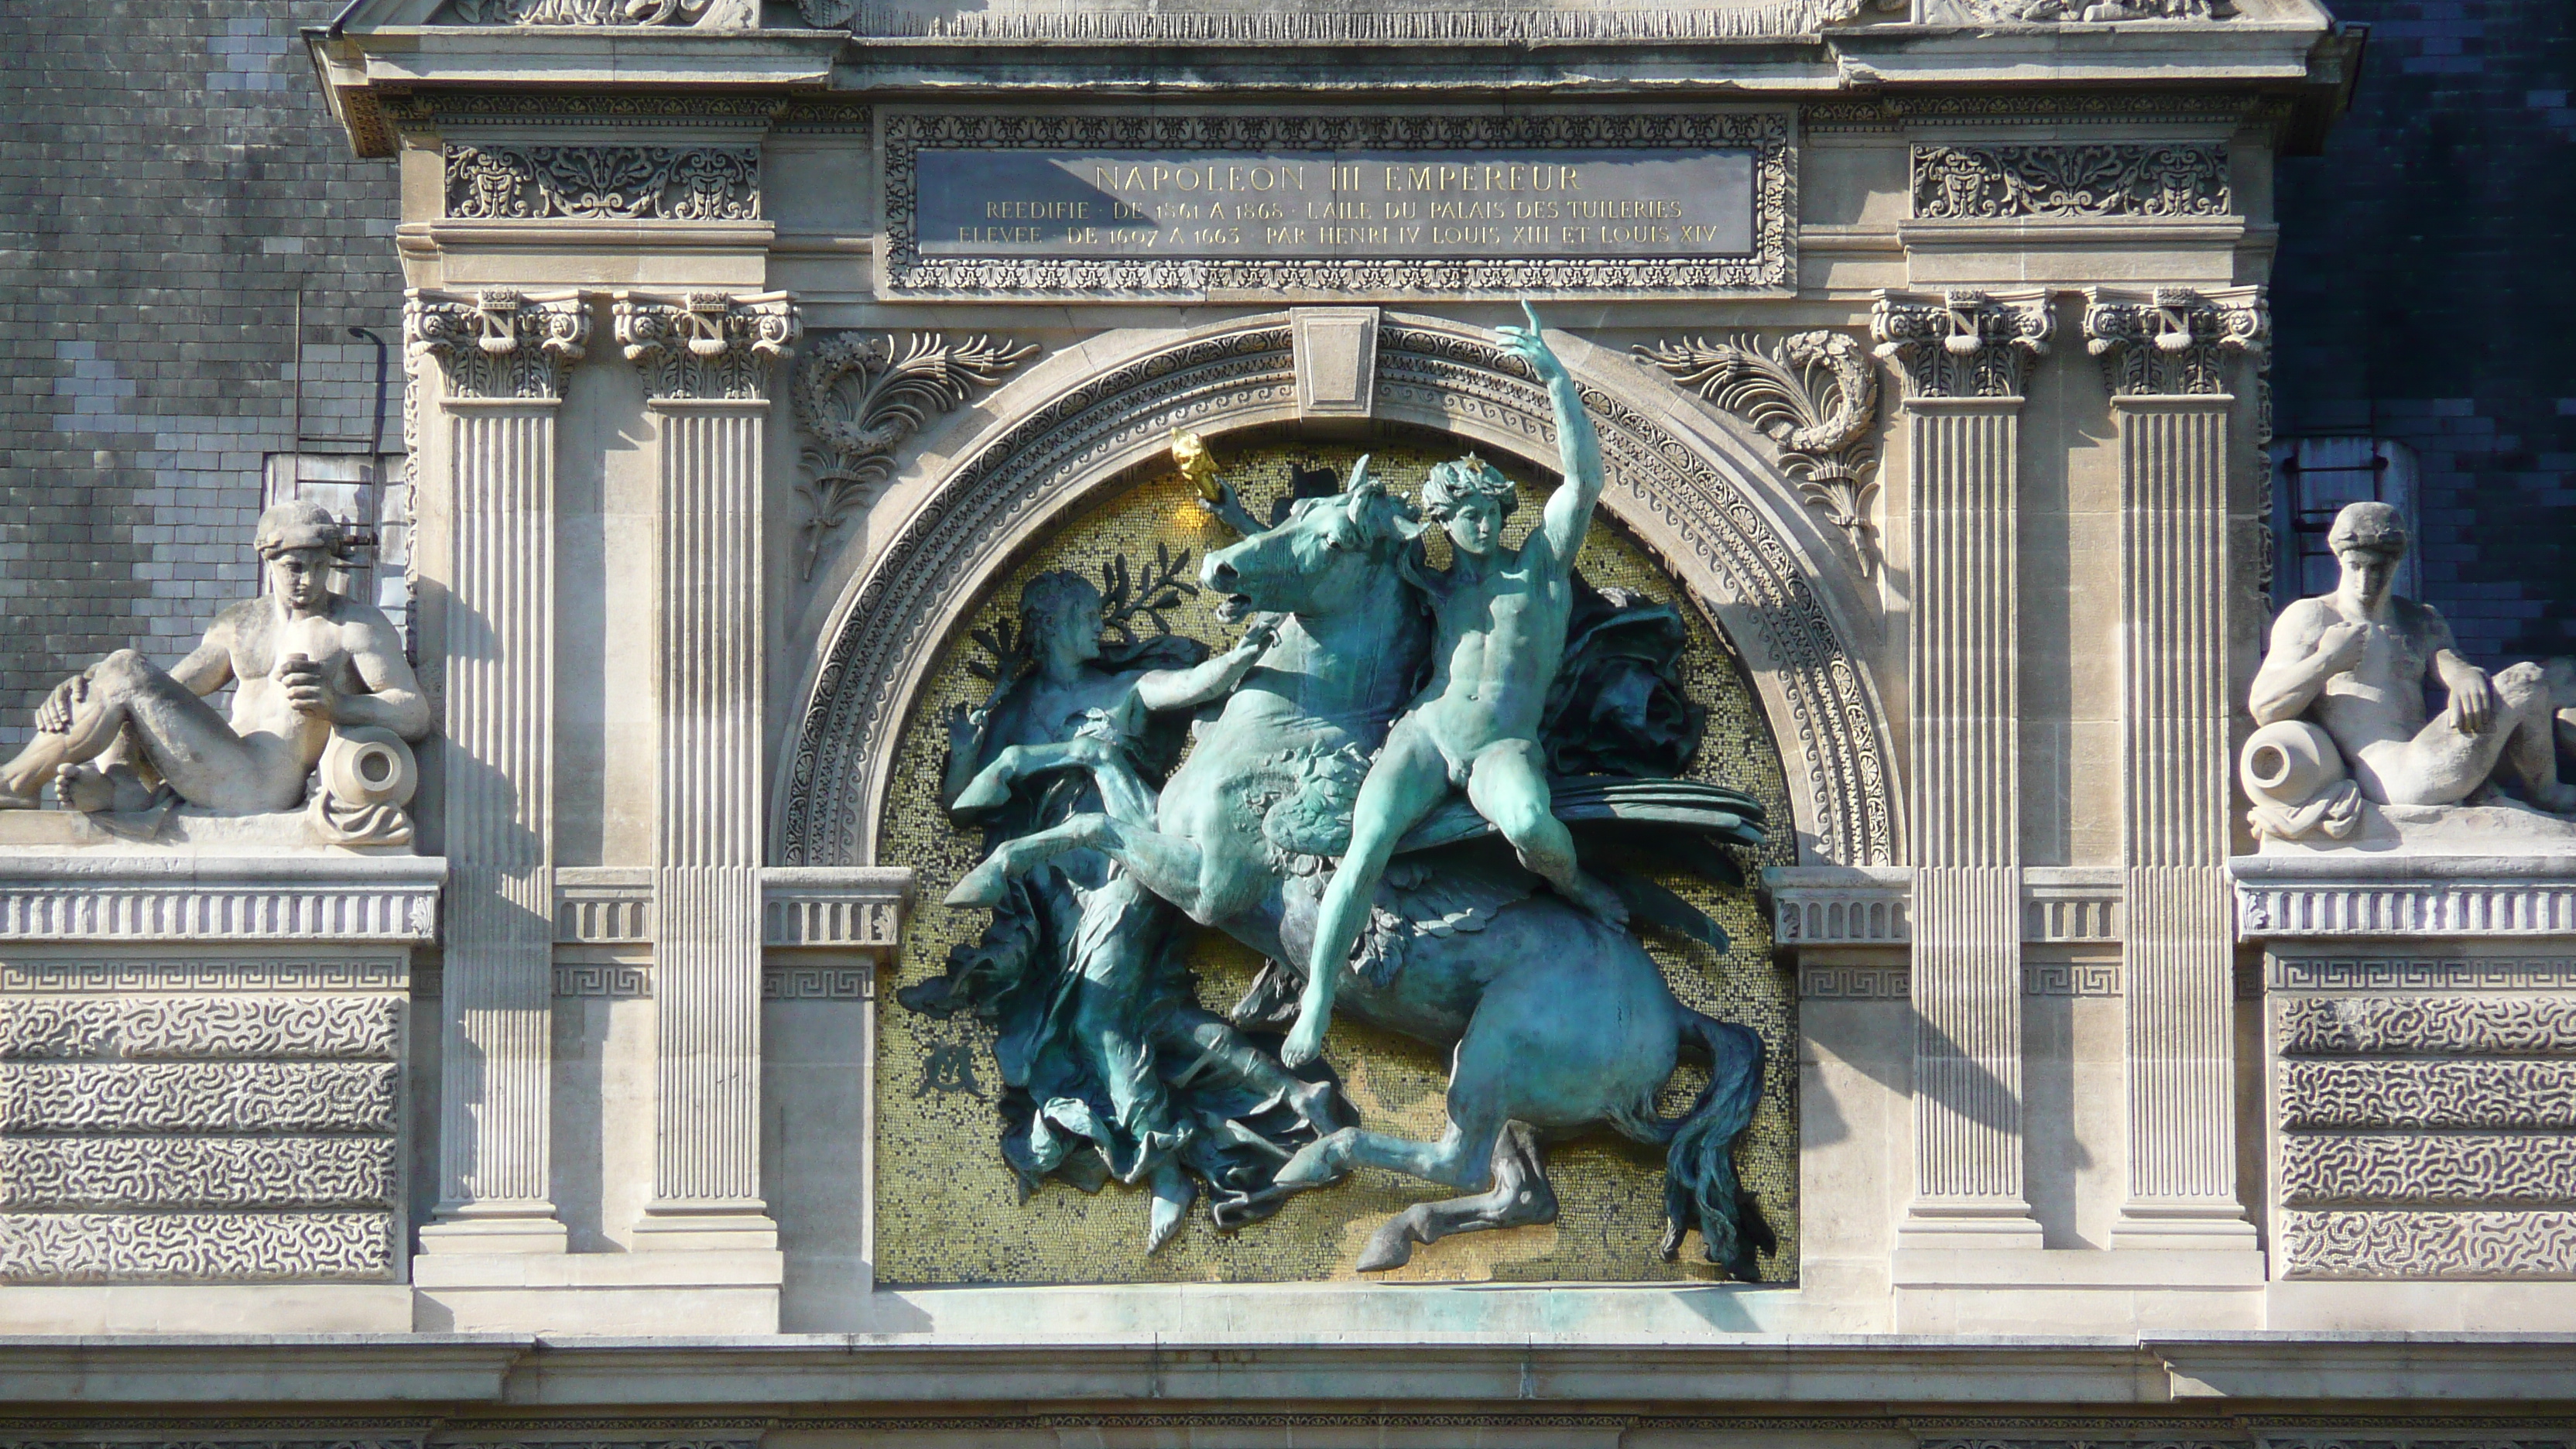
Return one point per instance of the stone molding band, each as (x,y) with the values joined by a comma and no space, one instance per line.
(1730,548)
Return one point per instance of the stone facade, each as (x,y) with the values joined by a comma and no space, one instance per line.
(2081,1066)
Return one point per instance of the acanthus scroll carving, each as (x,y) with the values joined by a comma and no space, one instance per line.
(706,344)
(2173,340)
(1962,344)
(646,183)
(498,343)
(1815,396)
(860,395)
(2172,181)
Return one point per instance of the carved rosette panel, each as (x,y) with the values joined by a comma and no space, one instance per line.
(1767,135)
(152,1130)
(1815,396)
(2424,1135)
(1962,344)
(1831,726)
(497,343)
(598,183)
(2167,181)
(859,395)
(706,344)
(2174,341)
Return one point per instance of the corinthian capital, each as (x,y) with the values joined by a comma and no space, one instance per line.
(1962,344)
(2173,340)
(706,344)
(497,343)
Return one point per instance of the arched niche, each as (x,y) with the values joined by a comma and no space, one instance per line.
(1715,511)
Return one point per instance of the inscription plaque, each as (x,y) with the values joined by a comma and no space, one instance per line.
(1375,206)
(1107,205)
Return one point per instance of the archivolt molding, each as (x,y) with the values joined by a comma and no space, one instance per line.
(1747,557)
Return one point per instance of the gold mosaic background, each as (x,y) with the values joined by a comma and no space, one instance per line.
(945,1212)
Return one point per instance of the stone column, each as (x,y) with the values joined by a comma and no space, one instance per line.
(502,358)
(2165,355)
(708,358)
(1965,356)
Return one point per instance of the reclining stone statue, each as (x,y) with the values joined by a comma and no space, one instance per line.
(316,674)
(2341,700)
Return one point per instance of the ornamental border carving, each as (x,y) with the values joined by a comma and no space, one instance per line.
(1768,134)
(2311,973)
(110,912)
(2145,181)
(119,975)
(496,182)
(2471,1244)
(2405,908)
(1812,677)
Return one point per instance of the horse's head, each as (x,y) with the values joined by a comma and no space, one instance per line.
(1323,559)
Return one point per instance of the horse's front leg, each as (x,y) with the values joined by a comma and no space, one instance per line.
(1164,864)
(1123,793)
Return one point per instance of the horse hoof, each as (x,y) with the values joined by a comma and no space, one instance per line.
(986,793)
(1307,1169)
(1388,1247)
(1163,1222)
(1316,1107)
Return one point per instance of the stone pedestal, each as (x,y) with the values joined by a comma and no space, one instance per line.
(205,1092)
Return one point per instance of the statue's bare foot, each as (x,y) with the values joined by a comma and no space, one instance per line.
(985,885)
(1305,1042)
(81,788)
(1600,900)
(1173,1192)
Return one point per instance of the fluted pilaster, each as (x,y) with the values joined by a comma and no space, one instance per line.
(1965,357)
(501,357)
(2165,355)
(708,360)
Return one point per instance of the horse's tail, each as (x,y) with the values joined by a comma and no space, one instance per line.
(1700,1187)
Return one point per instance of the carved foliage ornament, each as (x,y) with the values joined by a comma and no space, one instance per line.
(1962,344)
(2173,340)
(2089,12)
(705,344)
(1815,396)
(2166,181)
(647,183)
(498,343)
(706,14)
(860,395)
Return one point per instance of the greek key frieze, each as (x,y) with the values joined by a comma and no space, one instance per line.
(2162,181)
(2485,1169)
(597,183)
(2071,978)
(2428,1094)
(614,981)
(2296,973)
(2463,1026)
(1855,983)
(66,1028)
(195,1247)
(197,1096)
(818,983)
(220,974)
(2361,1244)
(196,1172)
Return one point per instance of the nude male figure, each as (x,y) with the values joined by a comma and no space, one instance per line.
(1502,616)
(2355,661)
(303,659)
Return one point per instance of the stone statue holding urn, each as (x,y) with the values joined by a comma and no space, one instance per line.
(2341,698)
(320,682)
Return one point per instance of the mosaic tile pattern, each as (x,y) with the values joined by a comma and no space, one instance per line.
(945,1208)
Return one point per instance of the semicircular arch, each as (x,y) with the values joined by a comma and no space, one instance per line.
(1686,489)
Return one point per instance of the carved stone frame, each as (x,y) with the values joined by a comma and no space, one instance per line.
(1708,503)
(1770,268)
